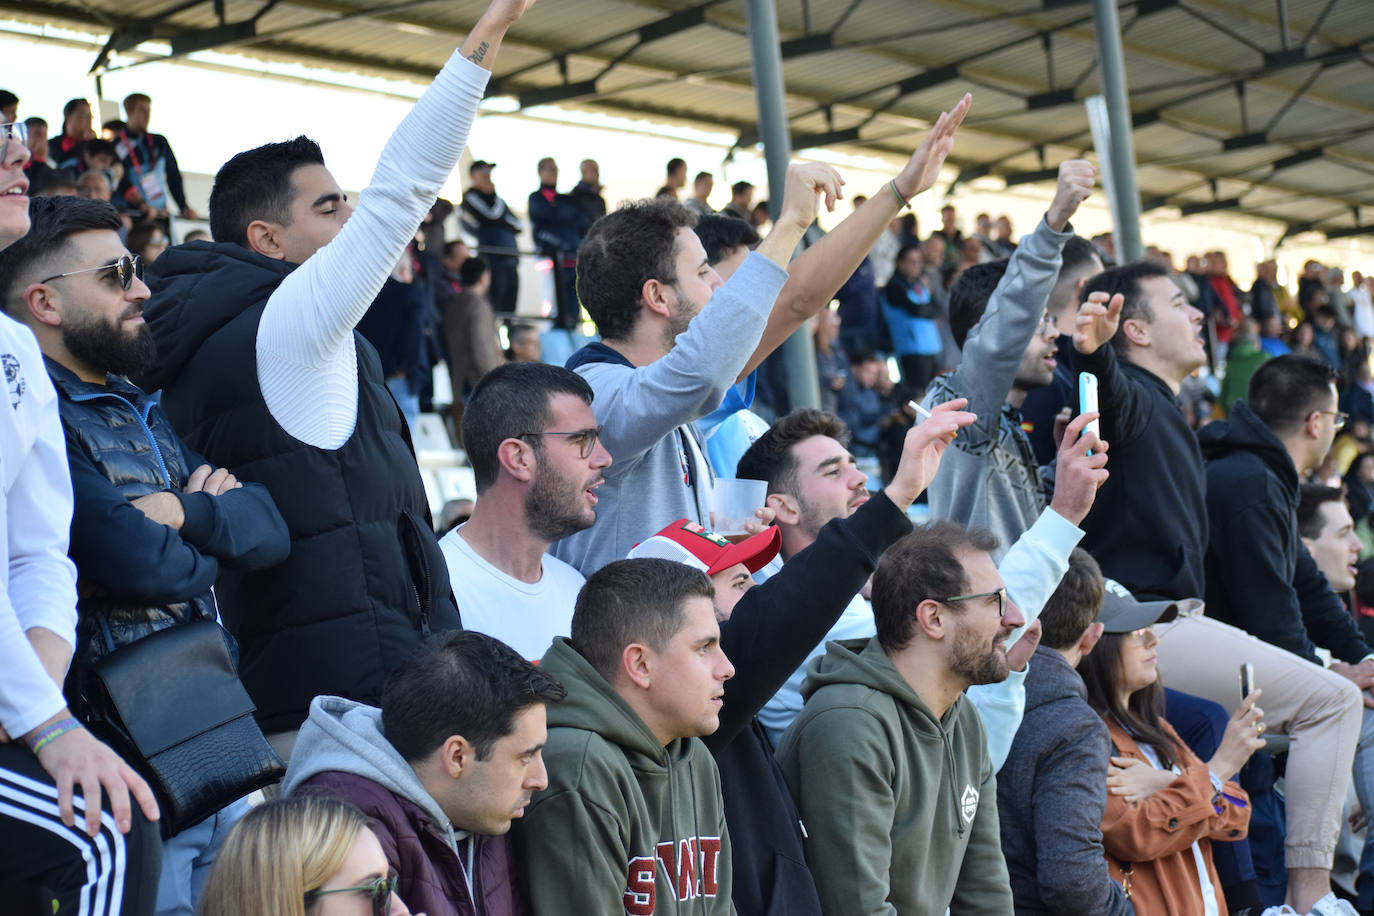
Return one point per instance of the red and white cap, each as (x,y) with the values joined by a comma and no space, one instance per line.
(687,542)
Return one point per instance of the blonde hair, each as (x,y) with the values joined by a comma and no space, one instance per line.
(279,852)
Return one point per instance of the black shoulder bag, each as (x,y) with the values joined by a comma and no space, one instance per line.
(172,705)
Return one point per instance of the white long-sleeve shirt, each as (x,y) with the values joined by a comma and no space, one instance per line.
(307,363)
(38,581)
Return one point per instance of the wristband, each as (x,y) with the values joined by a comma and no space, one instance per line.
(902,201)
(54,731)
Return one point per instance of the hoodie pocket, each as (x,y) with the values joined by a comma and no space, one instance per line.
(430,594)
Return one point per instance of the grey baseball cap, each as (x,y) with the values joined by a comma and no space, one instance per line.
(1122,613)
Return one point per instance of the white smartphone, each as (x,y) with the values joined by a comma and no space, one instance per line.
(1087,400)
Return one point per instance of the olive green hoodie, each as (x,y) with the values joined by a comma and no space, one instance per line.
(900,808)
(626,824)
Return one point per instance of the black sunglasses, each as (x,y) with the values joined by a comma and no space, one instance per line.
(379,890)
(126,268)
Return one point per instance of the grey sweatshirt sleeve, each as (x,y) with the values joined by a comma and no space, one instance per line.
(638,408)
(992,351)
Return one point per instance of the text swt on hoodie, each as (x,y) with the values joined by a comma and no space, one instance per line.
(626,824)
(900,807)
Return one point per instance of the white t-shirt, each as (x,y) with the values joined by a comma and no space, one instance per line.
(524,615)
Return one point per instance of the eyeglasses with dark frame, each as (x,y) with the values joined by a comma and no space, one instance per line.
(17,131)
(379,890)
(584,439)
(1000,595)
(126,269)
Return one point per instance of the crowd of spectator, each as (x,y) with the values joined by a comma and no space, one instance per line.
(968,649)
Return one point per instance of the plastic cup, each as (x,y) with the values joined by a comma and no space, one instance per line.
(733,502)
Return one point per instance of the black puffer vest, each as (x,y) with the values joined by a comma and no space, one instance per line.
(365,580)
(124,433)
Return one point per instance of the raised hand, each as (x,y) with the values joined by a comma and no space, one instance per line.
(1097,322)
(1077,474)
(1076,180)
(925,443)
(509,11)
(806,183)
(923,168)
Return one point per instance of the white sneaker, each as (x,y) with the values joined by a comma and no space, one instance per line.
(1284,910)
(1331,905)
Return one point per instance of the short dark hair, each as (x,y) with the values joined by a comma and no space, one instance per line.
(510,400)
(1075,604)
(621,252)
(701,175)
(99,147)
(73,105)
(740,187)
(921,565)
(472,270)
(8,98)
(675,163)
(770,457)
(1078,255)
(53,220)
(33,121)
(633,601)
(968,297)
(721,234)
(134,97)
(114,125)
(1285,389)
(460,682)
(1311,497)
(1126,280)
(256,184)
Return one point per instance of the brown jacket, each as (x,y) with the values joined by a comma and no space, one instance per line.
(1154,838)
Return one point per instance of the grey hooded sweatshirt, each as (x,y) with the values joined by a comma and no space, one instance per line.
(444,871)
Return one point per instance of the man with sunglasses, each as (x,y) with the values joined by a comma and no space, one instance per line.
(70,832)
(153,522)
(260,364)
(915,829)
(537,460)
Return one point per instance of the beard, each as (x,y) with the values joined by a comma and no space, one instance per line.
(979,662)
(554,507)
(682,314)
(106,346)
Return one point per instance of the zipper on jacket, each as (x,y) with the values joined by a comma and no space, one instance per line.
(142,422)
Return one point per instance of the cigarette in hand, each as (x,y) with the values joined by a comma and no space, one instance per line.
(920,411)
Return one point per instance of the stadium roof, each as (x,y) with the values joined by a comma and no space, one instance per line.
(1266,109)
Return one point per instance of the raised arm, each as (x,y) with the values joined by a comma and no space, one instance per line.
(308,323)
(815,276)
(994,346)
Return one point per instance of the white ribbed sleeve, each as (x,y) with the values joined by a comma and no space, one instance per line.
(307,364)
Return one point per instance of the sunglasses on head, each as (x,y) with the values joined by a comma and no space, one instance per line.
(126,269)
(380,892)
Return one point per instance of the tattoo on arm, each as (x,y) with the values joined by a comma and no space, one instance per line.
(481,52)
